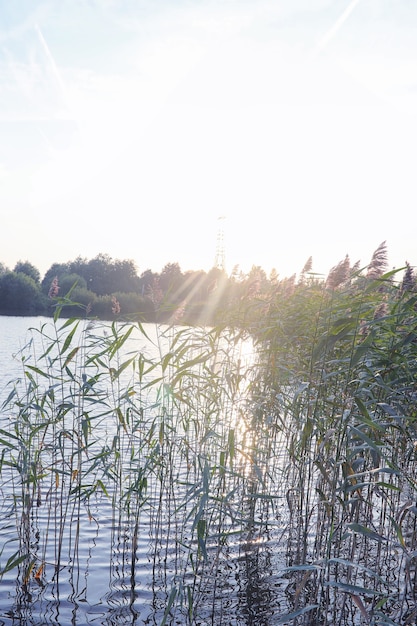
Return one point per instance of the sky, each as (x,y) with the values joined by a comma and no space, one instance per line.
(144,129)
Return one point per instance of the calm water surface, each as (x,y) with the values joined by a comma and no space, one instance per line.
(114,565)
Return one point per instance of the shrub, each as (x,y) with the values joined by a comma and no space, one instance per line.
(20,295)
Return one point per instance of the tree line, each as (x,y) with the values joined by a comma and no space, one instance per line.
(108,288)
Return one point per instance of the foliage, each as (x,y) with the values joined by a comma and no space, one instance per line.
(192,297)
(95,422)
(105,276)
(66,283)
(20,295)
(302,455)
(3,269)
(133,306)
(336,377)
(56,271)
(25,267)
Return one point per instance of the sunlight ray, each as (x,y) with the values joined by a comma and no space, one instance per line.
(53,67)
(330,34)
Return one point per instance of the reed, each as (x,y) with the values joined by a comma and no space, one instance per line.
(336,378)
(101,430)
(276,460)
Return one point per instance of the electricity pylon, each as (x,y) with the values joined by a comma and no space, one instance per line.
(219,261)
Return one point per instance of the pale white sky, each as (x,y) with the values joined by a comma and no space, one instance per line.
(129,126)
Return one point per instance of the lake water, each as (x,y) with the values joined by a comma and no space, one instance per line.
(134,492)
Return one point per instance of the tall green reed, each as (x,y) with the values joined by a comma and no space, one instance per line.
(99,425)
(336,378)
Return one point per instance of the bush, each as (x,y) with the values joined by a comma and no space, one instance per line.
(20,295)
(81,303)
(130,305)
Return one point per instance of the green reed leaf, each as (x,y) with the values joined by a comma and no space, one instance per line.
(353,589)
(102,487)
(361,435)
(12,562)
(366,417)
(9,398)
(115,374)
(389,486)
(361,350)
(71,355)
(357,566)
(171,599)
(69,338)
(366,532)
(36,370)
(288,617)
(306,433)
(120,341)
(201,537)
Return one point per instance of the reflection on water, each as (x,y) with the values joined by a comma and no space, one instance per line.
(141,506)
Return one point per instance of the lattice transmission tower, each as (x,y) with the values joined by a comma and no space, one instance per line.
(219,260)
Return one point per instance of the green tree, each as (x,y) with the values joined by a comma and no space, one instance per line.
(57,270)
(25,267)
(146,281)
(99,274)
(105,276)
(124,277)
(171,280)
(67,282)
(20,295)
